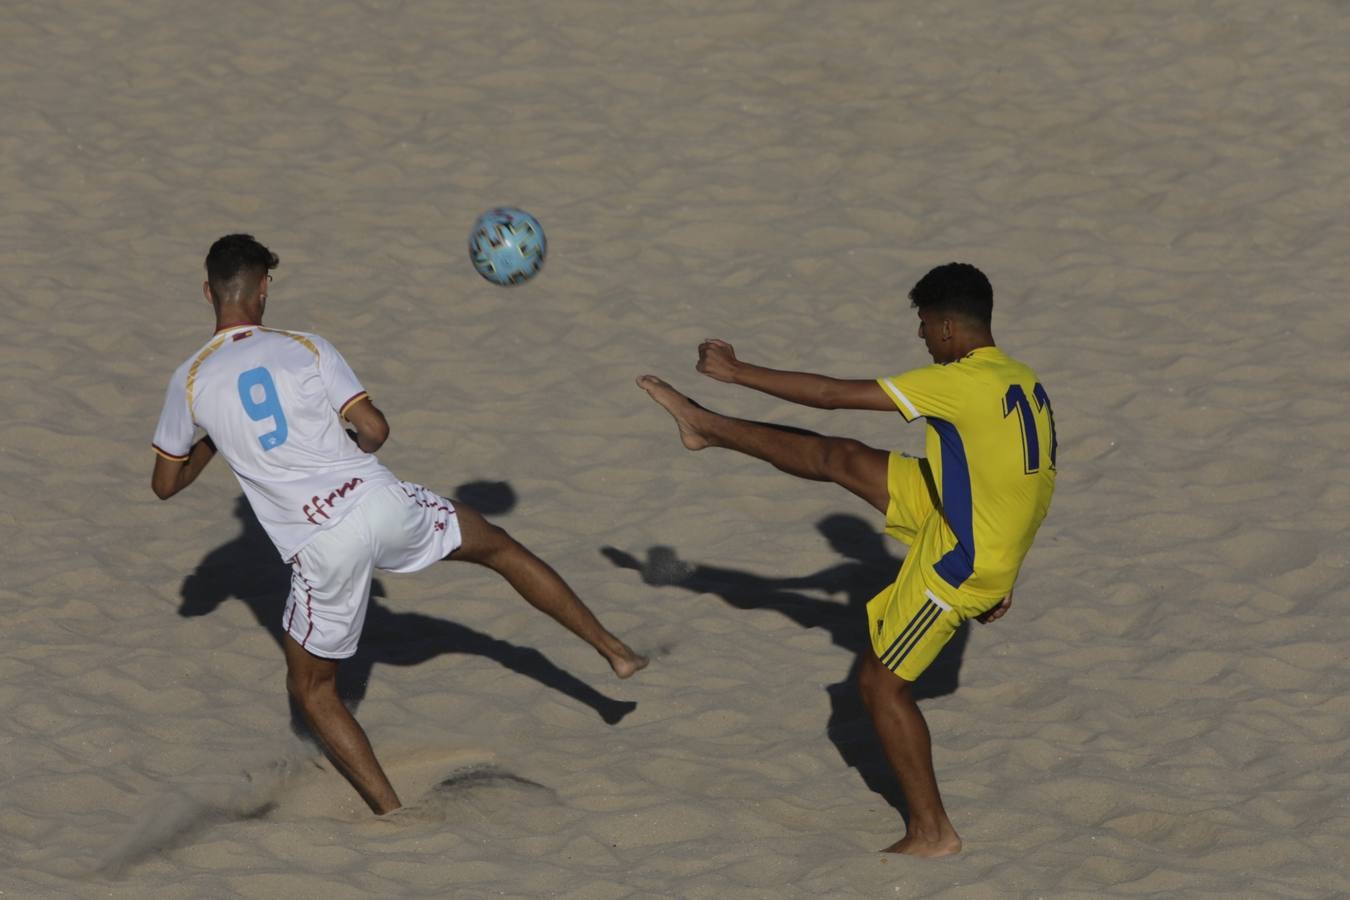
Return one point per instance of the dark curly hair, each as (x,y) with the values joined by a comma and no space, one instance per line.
(957,288)
(233,256)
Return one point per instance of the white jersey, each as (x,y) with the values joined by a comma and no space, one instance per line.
(272,401)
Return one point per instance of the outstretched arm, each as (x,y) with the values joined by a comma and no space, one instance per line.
(171,476)
(717,359)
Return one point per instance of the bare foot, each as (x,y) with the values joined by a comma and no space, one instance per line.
(627,663)
(679,406)
(948,844)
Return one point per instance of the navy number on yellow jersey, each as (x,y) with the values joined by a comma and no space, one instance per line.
(1015,401)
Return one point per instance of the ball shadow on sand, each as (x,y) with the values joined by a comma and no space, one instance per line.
(870,567)
(247,568)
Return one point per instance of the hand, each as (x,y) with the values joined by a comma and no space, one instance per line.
(717,359)
(997,612)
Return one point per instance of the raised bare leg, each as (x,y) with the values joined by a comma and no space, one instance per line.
(908,746)
(535,580)
(851,464)
(312,681)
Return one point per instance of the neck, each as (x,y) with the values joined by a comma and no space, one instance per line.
(976,343)
(231,315)
(224,322)
(966,344)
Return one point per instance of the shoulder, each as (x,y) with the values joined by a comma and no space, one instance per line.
(308,340)
(180,373)
(179,379)
(195,359)
(1009,368)
(936,374)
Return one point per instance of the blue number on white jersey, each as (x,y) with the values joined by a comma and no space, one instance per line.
(258,393)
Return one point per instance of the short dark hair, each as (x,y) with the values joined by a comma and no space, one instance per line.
(235,255)
(958,288)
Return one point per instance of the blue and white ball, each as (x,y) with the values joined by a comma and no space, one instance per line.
(507,245)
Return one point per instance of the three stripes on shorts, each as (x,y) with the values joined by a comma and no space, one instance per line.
(912,633)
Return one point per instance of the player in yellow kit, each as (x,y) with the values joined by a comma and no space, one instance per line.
(969,510)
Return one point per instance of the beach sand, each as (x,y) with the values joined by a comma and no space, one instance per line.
(1158,193)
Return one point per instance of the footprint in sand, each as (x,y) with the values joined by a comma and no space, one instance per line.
(429,782)
(482,790)
(436,786)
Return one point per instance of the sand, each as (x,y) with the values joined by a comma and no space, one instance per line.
(1158,193)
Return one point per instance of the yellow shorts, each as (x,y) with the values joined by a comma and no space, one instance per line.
(912,619)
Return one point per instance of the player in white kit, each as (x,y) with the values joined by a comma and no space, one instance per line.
(272,403)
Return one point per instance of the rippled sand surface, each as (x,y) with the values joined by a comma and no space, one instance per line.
(1158,193)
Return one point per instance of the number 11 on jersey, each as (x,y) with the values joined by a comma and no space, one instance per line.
(258,393)
(1015,400)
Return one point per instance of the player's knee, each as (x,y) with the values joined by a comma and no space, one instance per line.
(841,457)
(486,544)
(295,686)
(308,687)
(497,538)
(503,548)
(867,683)
(296,689)
(878,684)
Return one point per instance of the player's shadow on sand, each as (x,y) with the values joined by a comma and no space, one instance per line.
(247,568)
(869,569)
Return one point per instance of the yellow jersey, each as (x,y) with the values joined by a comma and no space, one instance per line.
(991,447)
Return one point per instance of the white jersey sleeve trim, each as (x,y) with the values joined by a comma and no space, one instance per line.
(352,402)
(908,408)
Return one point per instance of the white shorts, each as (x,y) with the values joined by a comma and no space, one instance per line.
(398,528)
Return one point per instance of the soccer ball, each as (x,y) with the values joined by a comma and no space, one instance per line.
(507,245)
